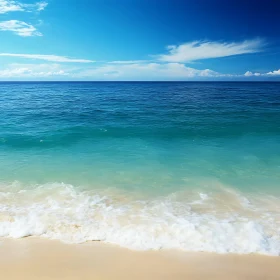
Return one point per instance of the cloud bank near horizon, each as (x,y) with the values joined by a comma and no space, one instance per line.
(172,66)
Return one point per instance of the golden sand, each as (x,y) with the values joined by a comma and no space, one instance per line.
(39,259)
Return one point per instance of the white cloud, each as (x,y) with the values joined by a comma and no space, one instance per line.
(271,73)
(7,6)
(33,71)
(53,58)
(20,28)
(41,6)
(274,73)
(198,50)
(250,74)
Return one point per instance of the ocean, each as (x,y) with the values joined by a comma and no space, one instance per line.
(192,166)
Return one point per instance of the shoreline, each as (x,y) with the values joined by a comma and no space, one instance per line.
(36,258)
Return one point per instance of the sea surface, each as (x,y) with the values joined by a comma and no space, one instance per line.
(143,165)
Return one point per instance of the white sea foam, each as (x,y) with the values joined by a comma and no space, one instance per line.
(222,222)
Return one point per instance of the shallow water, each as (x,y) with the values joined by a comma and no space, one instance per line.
(191,166)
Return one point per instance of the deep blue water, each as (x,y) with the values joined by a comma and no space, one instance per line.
(225,131)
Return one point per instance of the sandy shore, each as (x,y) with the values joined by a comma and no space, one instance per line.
(38,259)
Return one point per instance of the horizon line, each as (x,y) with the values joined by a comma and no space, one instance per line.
(140,81)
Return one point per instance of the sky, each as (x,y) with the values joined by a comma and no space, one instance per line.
(124,40)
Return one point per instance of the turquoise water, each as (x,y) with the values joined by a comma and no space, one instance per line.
(189,166)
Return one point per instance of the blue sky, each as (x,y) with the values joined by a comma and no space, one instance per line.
(139,40)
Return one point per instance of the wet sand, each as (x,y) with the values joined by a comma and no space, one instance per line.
(39,259)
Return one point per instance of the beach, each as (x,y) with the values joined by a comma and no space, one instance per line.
(39,259)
